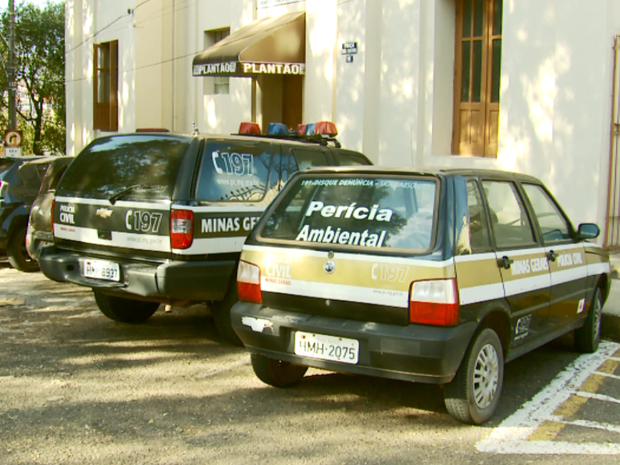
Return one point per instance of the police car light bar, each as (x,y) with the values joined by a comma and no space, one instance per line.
(249,128)
(277,129)
(326,128)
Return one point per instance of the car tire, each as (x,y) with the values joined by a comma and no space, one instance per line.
(587,337)
(474,393)
(276,372)
(18,255)
(125,310)
(221,314)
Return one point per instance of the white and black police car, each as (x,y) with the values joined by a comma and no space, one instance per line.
(436,277)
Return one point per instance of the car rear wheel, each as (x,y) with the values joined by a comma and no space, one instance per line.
(221,314)
(587,337)
(18,255)
(124,310)
(276,372)
(473,394)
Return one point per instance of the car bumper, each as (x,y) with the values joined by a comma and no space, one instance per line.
(35,240)
(166,282)
(417,353)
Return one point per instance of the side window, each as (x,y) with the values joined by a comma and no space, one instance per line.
(234,172)
(346,158)
(511,224)
(553,225)
(303,159)
(478,224)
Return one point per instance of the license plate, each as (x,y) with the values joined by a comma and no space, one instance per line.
(101,269)
(337,349)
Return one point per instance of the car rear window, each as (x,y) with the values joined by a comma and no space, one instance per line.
(143,166)
(234,171)
(364,211)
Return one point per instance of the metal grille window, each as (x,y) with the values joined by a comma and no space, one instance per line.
(477,70)
(216,84)
(105,116)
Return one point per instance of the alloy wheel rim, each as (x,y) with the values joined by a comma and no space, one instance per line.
(486,376)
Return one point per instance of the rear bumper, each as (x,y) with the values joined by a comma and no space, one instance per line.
(167,282)
(418,353)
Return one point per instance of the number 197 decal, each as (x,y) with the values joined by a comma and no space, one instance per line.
(238,164)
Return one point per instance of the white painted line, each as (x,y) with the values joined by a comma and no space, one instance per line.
(590,424)
(510,437)
(607,375)
(590,395)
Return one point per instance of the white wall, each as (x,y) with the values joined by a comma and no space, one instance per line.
(90,22)
(394,101)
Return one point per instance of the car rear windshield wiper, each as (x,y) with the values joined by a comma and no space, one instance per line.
(134,188)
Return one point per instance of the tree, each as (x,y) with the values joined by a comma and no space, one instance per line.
(40,75)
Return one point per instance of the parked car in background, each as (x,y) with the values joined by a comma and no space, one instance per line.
(39,233)
(20,180)
(154,218)
(436,277)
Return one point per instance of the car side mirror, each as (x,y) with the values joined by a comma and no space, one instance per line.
(588,231)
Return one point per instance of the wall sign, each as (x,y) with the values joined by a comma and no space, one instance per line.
(349,48)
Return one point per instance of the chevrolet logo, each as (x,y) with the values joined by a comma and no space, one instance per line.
(104,213)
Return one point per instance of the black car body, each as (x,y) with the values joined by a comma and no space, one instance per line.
(40,220)
(20,180)
(152,218)
(436,277)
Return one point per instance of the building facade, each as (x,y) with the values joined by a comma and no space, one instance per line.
(524,85)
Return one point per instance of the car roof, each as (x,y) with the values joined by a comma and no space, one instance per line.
(410,170)
(301,141)
(45,159)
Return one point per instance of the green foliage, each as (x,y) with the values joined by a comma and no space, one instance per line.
(40,75)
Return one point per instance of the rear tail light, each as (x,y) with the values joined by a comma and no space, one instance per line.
(434,303)
(248,283)
(181,229)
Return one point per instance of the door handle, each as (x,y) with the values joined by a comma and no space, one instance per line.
(505,262)
(551,256)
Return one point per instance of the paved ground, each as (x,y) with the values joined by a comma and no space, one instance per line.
(611,310)
(79,389)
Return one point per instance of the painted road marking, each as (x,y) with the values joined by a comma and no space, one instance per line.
(533,428)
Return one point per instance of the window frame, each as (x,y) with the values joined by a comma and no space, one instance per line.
(216,85)
(105,112)
(476,123)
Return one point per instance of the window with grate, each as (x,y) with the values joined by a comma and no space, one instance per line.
(478,42)
(105,107)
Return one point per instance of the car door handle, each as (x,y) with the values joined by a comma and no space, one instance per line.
(505,262)
(551,256)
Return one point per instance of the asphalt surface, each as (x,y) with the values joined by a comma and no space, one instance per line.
(77,388)
(611,310)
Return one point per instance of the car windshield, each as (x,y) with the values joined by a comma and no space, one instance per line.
(113,164)
(363,211)
(5,165)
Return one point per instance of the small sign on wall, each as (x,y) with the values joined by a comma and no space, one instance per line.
(349,48)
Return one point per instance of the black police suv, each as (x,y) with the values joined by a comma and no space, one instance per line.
(154,218)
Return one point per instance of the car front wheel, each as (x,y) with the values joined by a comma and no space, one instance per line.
(588,336)
(473,394)
(124,310)
(276,372)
